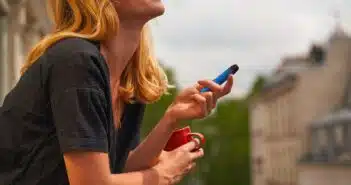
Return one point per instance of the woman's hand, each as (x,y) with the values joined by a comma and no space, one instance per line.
(174,165)
(191,104)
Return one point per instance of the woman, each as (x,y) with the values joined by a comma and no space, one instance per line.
(74,116)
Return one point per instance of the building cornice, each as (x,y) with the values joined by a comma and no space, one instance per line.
(4,7)
(275,92)
(41,15)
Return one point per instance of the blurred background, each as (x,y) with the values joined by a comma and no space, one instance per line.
(288,120)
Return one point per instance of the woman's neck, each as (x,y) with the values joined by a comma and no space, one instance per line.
(119,49)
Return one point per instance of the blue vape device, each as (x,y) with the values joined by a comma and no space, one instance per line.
(224,76)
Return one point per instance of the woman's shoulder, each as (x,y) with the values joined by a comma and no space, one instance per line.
(74,59)
(75,52)
(73,45)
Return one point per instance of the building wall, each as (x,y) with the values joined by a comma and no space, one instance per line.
(259,116)
(318,91)
(322,89)
(21,26)
(272,119)
(280,139)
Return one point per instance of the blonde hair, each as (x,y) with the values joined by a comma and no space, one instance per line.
(143,79)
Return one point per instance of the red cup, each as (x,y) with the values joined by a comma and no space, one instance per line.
(182,136)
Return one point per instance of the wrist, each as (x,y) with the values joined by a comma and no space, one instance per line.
(170,119)
(162,178)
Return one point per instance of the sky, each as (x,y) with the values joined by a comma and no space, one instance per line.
(201,38)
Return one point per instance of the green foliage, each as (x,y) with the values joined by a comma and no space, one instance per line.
(257,86)
(227,146)
(227,158)
(155,111)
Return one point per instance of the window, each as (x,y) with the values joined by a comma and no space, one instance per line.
(259,163)
(285,113)
(280,116)
(317,54)
(272,119)
(347,136)
(322,137)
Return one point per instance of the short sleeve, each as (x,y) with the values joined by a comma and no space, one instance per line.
(137,117)
(136,140)
(78,103)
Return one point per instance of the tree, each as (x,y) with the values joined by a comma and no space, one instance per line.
(257,86)
(154,112)
(227,159)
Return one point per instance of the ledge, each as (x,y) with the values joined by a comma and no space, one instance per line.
(307,159)
(314,163)
(4,7)
(41,15)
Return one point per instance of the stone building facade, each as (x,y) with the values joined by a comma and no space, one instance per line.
(22,23)
(296,98)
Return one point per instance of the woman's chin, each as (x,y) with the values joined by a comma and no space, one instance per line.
(157,10)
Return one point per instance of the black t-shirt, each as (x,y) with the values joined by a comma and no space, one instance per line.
(62,103)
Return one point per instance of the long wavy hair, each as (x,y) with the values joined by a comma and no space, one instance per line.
(142,80)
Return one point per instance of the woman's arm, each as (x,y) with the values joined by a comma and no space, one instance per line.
(90,168)
(188,105)
(146,154)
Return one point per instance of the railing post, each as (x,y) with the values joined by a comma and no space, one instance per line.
(331,142)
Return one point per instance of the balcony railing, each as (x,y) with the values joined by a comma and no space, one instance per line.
(329,151)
